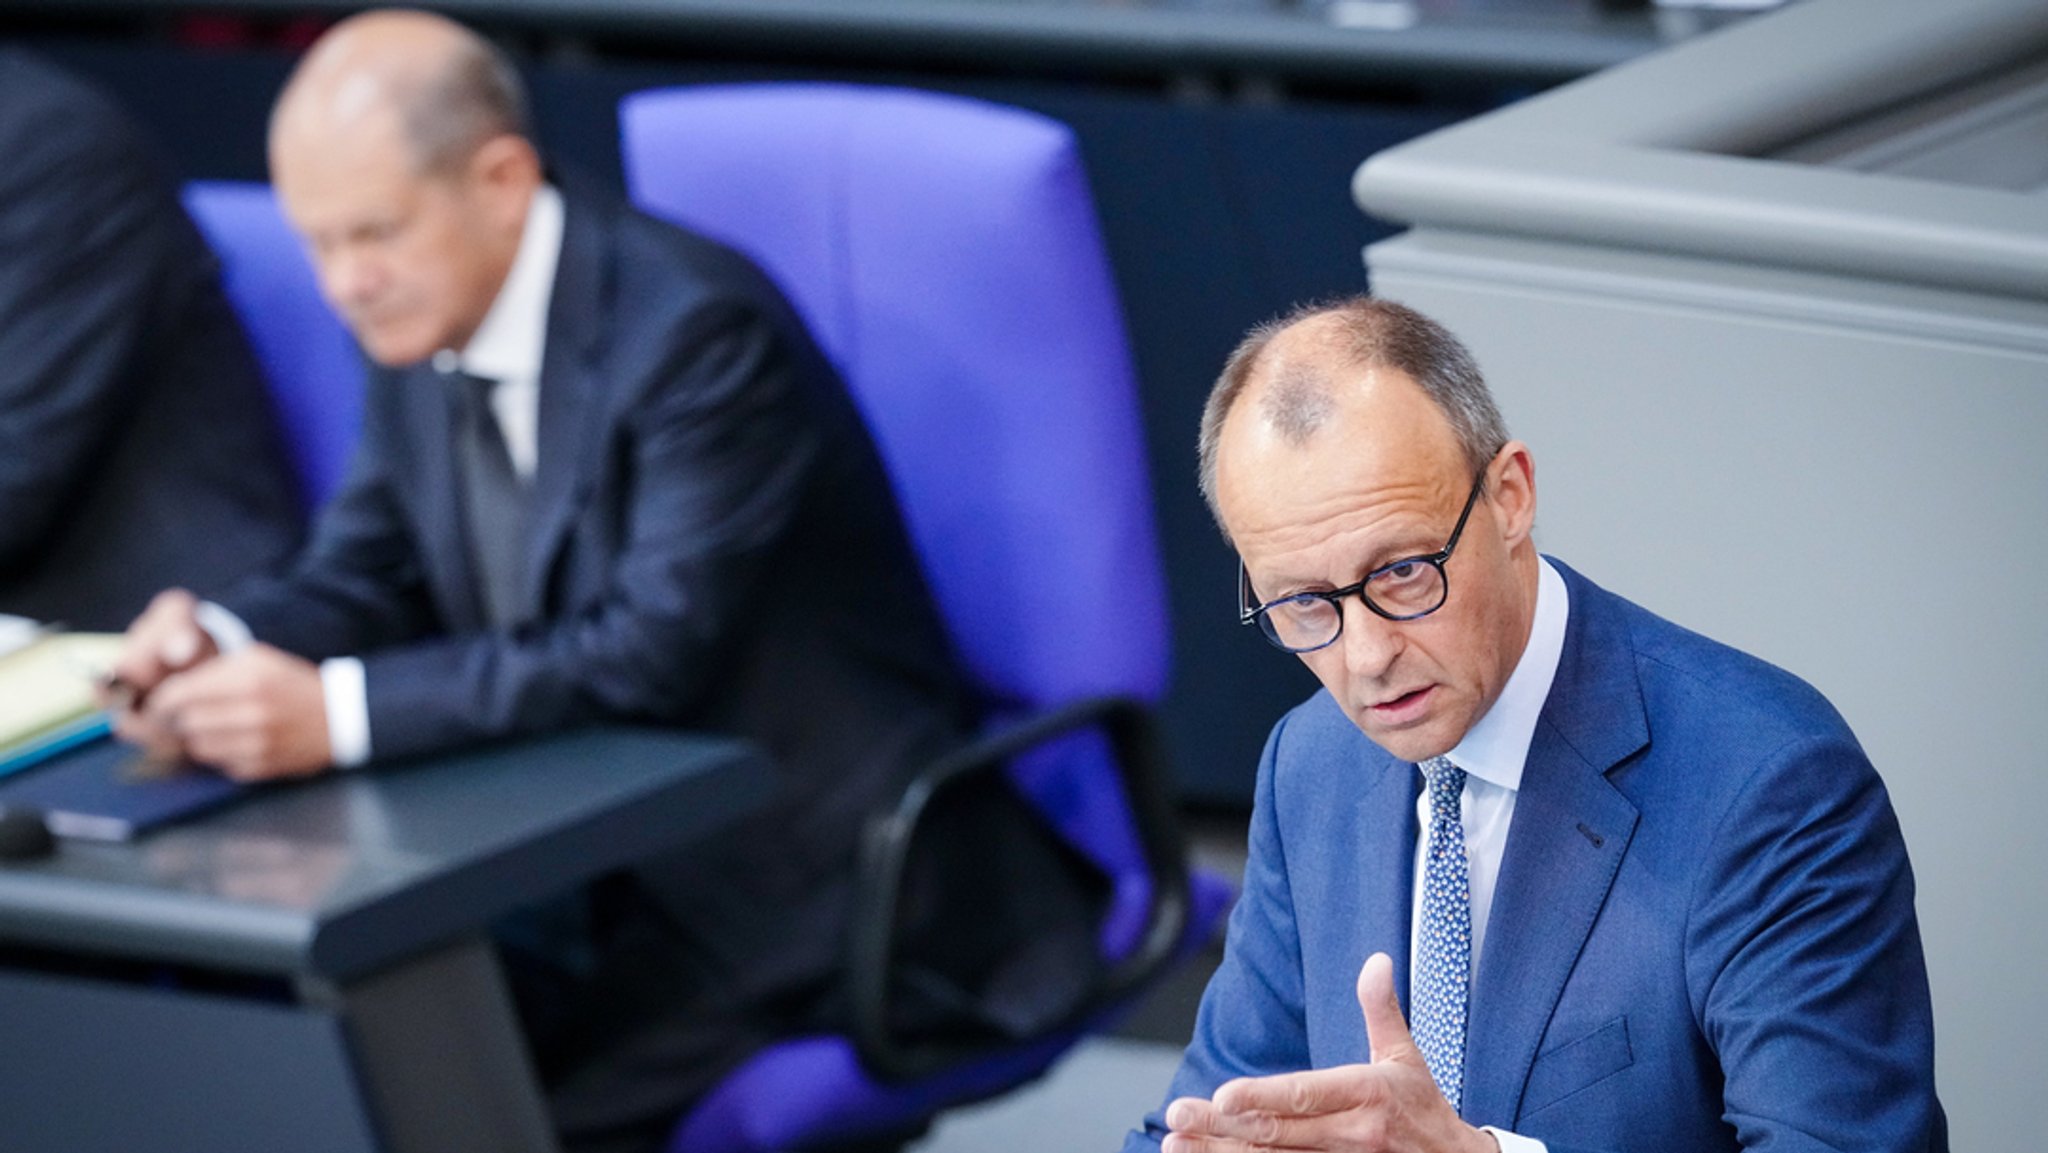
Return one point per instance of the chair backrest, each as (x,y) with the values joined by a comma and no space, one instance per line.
(946,254)
(314,369)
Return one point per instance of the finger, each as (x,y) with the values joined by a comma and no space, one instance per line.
(181,645)
(174,616)
(1261,1132)
(136,669)
(214,682)
(234,753)
(1220,1131)
(136,729)
(1198,1127)
(1184,1143)
(218,747)
(156,742)
(1386,1030)
(1189,1115)
(1309,1093)
(1200,1143)
(161,640)
(244,740)
(227,725)
(162,708)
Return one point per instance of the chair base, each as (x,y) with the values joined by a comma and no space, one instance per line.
(756,1110)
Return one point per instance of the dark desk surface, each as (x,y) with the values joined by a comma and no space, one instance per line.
(339,876)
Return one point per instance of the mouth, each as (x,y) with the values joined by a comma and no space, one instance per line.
(1404,709)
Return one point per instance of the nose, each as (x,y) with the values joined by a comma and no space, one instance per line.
(351,278)
(1371,642)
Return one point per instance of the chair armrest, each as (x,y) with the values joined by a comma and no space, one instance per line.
(885,852)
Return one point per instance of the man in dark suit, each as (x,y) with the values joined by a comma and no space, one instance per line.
(137,447)
(1635,890)
(604,474)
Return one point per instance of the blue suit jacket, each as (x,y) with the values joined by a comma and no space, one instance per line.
(1703,935)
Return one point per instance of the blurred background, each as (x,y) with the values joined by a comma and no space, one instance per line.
(1219,135)
(1813,260)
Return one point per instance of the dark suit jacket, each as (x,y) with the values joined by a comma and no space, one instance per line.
(1702,937)
(713,544)
(137,447)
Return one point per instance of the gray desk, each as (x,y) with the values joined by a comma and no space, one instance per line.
(363,897)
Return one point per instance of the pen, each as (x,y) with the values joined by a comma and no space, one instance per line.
(121,694)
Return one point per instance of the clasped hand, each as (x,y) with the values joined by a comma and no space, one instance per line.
(1388,1106)
(255,714)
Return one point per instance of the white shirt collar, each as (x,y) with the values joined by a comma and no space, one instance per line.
(509,343)
(1495,749)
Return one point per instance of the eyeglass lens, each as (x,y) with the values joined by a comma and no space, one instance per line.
(1402,590)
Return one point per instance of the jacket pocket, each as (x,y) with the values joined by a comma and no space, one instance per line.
(1565,1069)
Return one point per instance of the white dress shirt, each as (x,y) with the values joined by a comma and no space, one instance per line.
(507,347)
(1492,755)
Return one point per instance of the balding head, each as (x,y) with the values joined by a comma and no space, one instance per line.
(1289,371)
(1381,515)
(446,89)
(399,153)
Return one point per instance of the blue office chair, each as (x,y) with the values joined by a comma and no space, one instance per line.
(315,372)
(946,254)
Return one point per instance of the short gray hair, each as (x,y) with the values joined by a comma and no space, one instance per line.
(1369,334)
(475,96)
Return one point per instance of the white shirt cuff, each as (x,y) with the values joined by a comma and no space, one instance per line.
(348,711)
(228,631)
(1515,1142)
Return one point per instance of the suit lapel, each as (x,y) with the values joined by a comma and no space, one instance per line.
(571,393)
(1386,859)
(1571,829)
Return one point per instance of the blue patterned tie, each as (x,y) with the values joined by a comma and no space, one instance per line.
(1444,960)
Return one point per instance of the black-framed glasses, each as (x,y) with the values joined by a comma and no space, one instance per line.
(1403,590)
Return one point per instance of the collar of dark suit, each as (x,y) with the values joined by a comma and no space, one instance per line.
(579,312)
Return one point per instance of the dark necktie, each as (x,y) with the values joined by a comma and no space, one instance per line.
(1444,962)
(493,499)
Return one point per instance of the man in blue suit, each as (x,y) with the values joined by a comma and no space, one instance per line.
(1614,886)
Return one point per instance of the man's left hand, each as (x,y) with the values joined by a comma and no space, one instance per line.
(1388,1106)
(258,714)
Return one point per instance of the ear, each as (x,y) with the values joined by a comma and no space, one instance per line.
(1511,485)
(506,170)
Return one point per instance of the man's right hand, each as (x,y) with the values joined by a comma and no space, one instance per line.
(1388,1106)
(165,639)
